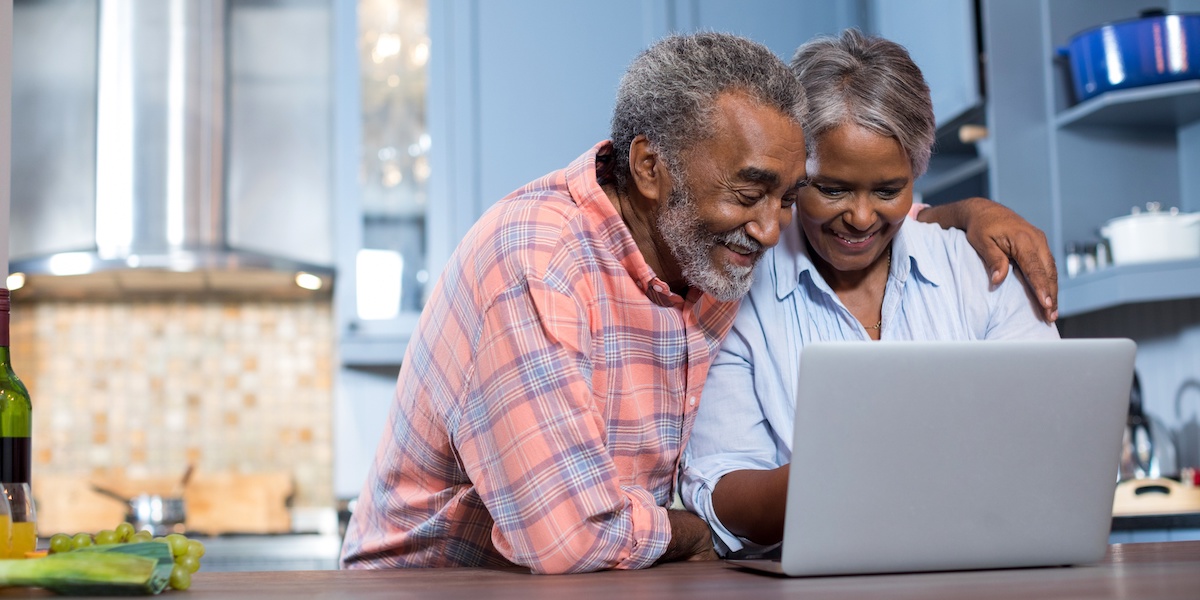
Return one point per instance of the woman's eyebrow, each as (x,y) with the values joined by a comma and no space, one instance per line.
(836,181)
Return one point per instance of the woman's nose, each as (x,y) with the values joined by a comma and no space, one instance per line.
(859,215)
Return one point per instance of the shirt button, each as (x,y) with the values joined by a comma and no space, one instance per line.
(692,401)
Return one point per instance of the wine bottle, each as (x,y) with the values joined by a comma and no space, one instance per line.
(16,411)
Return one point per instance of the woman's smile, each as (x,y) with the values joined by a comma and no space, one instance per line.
(855,241)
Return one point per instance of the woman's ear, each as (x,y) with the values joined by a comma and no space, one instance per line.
(648,171)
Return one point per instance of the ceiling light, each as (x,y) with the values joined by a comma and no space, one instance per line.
(308,281)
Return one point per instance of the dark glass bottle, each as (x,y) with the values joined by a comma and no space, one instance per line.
(16,411)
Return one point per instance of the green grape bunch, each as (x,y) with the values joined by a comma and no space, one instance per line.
(186,552)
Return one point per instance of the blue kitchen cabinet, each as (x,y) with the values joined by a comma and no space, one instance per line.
(940,36)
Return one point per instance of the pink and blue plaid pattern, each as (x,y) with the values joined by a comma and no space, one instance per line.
(545,397)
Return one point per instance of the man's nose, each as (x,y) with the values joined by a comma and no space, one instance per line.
(768,219)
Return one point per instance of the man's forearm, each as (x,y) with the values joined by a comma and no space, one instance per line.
(691,539)
(954,214)
(752,504)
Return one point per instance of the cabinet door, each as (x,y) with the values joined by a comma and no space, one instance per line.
(547,73)
(940,35)
(779,25)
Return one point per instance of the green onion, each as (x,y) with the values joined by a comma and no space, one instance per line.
(112,570)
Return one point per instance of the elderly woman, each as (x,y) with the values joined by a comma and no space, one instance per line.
(855,269)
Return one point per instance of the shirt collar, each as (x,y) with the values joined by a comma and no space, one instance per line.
(585,178)
(791,262)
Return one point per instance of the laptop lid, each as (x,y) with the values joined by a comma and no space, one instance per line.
(919,456)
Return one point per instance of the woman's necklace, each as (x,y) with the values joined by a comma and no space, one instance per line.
(879,323)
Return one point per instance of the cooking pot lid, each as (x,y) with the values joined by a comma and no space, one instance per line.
(1154,211)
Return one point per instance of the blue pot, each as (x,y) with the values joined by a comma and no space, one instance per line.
(1156,48)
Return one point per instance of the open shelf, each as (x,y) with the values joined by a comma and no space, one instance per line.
(1167,105)
(1128,284)
(953,161)
(949,170)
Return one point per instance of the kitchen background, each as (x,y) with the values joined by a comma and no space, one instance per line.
(357,140)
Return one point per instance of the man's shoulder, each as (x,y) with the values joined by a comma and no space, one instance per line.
(529,231)
(532,215)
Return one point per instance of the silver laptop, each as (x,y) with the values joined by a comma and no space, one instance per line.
(933,456)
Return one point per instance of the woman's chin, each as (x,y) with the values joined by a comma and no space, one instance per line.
(843,259)
(849,267)
(850,262)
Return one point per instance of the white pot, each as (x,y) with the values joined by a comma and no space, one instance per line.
(1153,236)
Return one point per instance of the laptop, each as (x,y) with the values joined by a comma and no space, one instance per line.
(938,456)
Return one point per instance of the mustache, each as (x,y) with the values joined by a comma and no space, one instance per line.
(738,237)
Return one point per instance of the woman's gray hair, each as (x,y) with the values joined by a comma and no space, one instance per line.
(669,91)
(871,82)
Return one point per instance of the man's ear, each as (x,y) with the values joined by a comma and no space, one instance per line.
(648,171)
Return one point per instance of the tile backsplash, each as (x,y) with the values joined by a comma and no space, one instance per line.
(151,386)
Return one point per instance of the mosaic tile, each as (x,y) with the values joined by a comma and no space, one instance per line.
(151,385)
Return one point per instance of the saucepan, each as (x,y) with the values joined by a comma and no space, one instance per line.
(155,513)
(158,514)
(1155,48)
(1153,235)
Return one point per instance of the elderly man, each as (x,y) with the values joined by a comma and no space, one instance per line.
(555,373)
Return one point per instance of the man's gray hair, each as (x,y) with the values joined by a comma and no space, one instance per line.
(871,82)
(669,91)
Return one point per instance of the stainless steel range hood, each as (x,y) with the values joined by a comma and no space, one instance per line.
(205,163)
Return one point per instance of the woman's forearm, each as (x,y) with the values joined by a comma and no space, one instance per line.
(751,503)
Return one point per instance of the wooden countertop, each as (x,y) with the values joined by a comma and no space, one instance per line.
(1159,570)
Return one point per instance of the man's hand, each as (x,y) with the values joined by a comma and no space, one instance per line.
(691,538)
(999,234)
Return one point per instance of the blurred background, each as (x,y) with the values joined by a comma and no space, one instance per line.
(226,214)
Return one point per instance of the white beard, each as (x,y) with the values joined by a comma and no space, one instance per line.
(692,247)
